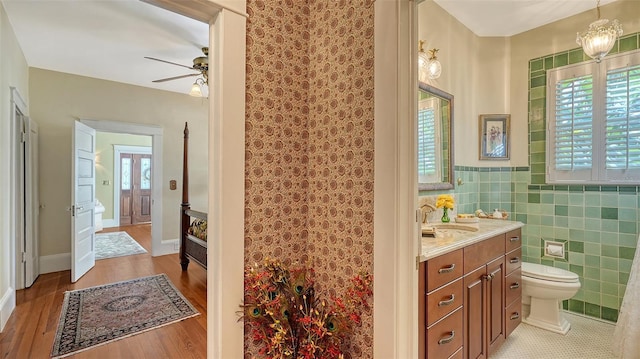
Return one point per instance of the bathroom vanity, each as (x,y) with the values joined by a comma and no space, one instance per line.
(470,290)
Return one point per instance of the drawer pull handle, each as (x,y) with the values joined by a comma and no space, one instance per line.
(515,285)
(514,239)
(448,339)
(514,260)
(488,277)
(447,302)
(448,269)
(515,316)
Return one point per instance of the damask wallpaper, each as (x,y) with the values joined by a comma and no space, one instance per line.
(309,142)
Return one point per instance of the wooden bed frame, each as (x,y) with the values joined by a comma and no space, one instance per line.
(191,247)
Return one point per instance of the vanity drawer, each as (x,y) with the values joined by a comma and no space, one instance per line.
(513,260)
(513,315)
(444,269)
(479,254)
(445,337)
(513,240)
(444,301)
(513,285)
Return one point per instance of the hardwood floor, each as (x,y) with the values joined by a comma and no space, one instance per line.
(32,326)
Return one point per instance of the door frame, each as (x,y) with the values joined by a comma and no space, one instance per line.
(159,246)
(117,150)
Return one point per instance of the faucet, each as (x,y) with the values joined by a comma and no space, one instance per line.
(426,209)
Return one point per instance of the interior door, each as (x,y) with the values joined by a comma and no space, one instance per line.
(21,207)
(83,256)
(32,203)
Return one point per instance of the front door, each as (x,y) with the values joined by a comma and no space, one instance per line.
(135,188)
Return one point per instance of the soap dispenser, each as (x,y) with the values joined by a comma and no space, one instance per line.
(497,214)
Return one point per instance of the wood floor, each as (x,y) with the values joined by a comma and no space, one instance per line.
(31,328)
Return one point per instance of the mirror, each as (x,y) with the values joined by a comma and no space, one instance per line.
(435,137)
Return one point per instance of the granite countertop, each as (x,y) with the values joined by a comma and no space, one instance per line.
(449,240)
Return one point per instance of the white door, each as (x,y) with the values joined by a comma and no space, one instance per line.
(32,203)
(83,256)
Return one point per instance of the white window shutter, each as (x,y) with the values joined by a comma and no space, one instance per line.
(593,122)
(429,153)
(570,125)
(622,149)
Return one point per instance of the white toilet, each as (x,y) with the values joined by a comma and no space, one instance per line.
(543,290)
(99,210)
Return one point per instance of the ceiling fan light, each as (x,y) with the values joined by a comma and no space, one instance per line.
(196,90)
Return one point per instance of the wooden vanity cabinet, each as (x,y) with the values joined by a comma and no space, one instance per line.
(488,276)
(484,297)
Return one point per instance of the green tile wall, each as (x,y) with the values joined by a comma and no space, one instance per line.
(598,224)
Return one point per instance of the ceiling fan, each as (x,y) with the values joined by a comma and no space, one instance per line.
(200,64)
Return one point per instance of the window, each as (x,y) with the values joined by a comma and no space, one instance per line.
(593,122)
(428,143)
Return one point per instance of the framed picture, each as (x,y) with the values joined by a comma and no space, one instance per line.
(494,137)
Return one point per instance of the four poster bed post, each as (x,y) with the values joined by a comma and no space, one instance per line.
(193,224)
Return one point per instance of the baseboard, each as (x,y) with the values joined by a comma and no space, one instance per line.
(62,261)
(55,263)
(109,223)
(169,246)
(7,305)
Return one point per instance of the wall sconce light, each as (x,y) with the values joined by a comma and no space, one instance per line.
(428,65)
(196,88)
(599,39)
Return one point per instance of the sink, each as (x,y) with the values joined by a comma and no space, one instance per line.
(456,226)
(447,229)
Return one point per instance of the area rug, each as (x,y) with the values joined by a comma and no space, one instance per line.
(116,244)
(102,314)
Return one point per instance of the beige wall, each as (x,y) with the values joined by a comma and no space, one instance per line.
(105,165)
(57,99)
(13,73)
(490,75)
(475,71)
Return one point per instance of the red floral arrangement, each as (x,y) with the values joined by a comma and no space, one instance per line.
(290,321)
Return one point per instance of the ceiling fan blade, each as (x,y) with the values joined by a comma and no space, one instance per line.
(175,78)
(169,62)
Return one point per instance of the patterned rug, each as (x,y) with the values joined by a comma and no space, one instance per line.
(102,314)
(116,244)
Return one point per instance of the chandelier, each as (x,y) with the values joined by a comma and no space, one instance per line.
(599,39)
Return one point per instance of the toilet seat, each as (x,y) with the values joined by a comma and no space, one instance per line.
(543,272)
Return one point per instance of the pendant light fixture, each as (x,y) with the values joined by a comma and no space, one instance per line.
(599,39)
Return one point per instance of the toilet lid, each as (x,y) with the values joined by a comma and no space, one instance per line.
(540,271)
